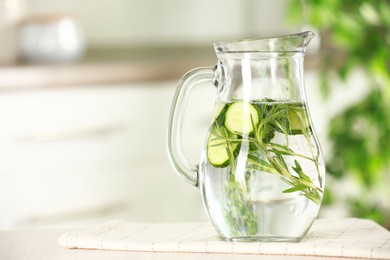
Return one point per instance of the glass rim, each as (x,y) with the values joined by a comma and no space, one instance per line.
(293,43)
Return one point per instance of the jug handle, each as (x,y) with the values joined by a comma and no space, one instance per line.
(180,163)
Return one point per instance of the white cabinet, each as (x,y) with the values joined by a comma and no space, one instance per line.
(95,152)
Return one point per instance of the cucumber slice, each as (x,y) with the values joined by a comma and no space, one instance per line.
(298,120)
(217,153)
(240,117)
(218,149)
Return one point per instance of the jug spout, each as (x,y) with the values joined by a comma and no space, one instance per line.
(287,43)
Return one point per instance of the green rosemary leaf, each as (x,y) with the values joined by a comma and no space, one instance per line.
(313,196)
(280,161)
(280,149)
(298,169)
(295,188)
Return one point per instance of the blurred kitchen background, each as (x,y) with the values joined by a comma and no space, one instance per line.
(86,88)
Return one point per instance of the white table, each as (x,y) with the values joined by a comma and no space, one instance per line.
(43,244)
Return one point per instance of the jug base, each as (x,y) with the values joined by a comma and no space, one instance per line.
(263,239)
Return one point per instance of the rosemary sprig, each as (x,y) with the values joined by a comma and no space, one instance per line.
(266,154)
(275,117)
(274,152)
(239,212)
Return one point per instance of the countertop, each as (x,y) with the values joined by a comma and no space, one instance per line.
(328,238)
(115,65)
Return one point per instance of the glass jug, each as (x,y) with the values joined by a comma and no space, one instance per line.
(261,172)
